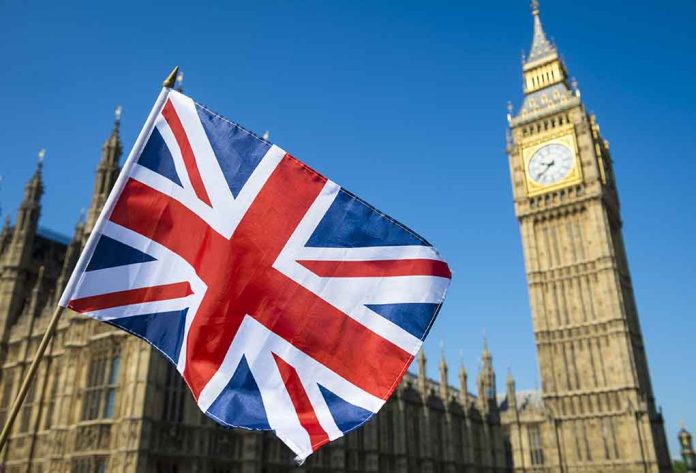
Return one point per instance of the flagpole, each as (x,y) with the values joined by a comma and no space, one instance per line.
(28,378)
(84,257)
(138,146)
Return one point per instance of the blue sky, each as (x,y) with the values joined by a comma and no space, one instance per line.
(404,104)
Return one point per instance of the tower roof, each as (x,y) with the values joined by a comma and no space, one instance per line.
(114,139)
(34,187)
(541,46)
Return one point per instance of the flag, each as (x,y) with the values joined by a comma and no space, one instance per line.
(286,302)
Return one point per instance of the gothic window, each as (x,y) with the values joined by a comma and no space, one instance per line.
(27,408)
(89,465)
(7,391)
(174,395)
(102,382)
(535,447)
(50,417)
(507,447)
(413,432)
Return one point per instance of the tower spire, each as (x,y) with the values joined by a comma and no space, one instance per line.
(541,46)
(34,189)
(463,384)
(422,380)
(545,79)
(444,381)
(486,378)
(511,390)
(17,257)
(107,171)
(29,209)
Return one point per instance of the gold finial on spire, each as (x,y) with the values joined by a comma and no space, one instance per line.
(535,7)
(117,114)
(171,78)
(42,155)
(266,135)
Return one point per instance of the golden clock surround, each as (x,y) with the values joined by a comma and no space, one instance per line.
(564,137)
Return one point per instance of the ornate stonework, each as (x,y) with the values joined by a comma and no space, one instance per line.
(596,410)
(104,401)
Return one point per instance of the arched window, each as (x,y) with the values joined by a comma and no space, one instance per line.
(102,381)
(535,447)
(50,416)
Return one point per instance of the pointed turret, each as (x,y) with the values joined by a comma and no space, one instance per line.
(542,49)
(107,172)
(545,76)
(5,235)
(687,450)
(17,258)
(511,391)
(463,385)
(28,215)
(486,378)
(444,381)
(422,377)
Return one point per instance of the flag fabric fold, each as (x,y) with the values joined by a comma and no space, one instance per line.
(286,302)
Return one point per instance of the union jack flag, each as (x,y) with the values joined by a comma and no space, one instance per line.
(285,301)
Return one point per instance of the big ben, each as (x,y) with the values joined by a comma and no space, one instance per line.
(597,411)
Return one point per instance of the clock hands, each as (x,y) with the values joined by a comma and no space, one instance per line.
(548,166)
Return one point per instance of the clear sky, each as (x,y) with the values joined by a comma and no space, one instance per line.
(404,104)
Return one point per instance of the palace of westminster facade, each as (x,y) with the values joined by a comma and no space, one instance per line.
(103,401)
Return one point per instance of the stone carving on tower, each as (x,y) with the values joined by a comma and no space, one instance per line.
(597,409)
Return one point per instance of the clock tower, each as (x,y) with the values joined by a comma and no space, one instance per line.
(597,406)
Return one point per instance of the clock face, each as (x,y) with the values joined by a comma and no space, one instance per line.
(550,164)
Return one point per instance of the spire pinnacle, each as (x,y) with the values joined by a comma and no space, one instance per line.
(117,116)
(266,135)
(34,187)
(486,353)
(541,46)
